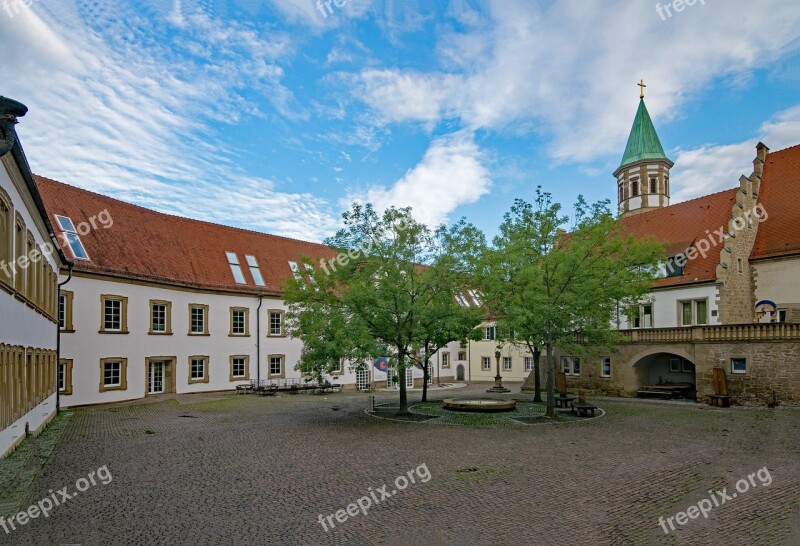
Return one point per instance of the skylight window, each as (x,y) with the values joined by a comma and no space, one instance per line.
(236,269)
(295,271)
(71,237)
(475,297)
(255,271)
(310,270)
(462,301)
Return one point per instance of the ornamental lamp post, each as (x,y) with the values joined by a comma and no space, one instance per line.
(498,380)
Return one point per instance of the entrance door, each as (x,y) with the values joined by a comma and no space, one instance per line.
(391,373)
(362,379)
(409,378)
(155,377)
(430,373)
(460,372)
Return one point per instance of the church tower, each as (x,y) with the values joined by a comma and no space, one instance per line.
(643,175)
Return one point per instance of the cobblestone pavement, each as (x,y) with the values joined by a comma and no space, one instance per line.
(225,469)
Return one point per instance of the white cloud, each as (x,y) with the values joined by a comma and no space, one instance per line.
(568,71)
(127,104)
(450,174)
(714,168)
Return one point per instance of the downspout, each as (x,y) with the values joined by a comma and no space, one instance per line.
(58,337)
(258,341)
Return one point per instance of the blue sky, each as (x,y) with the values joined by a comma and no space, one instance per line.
(269,115)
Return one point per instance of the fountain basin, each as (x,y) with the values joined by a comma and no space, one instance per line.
(482,405)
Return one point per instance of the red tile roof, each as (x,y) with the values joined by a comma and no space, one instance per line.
(151,246)
(684,224)
(779,235)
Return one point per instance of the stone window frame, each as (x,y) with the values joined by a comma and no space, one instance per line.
(246,332)
(272,375)
(445,359)
(123,374)
(123,309)
(206,369)
(746,367)
(282,320)
(525,361)
(67,363)
(69,299)
(603,373)
(246,375)
(484,360)
(510,363)
(336,371)
(167,318)
(206,318)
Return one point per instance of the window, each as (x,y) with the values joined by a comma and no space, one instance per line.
(621,194)
(236,269)
(72,238)
(30,282)
(462,355)
(339,369)
(528,363)
(565,365)
(113,374)
(198,369)
(739,365)
(674,365)
(740,265)
(489,332)
(276,366)
(462,301)
(666,186)
(240,367)
(506,363)
(475,297)
(675,266)
(486,363)
(635,187)
(781,315)
(445,360)
(64,376)
(276,323)
(198,319)
(653,185)
(605,367)
(296,271)
(6,242)
(19,251)
(693,312)
(65,299)
(115,314)
(240,319)
(642,316)
(255,271)
(576,366)
(160,317)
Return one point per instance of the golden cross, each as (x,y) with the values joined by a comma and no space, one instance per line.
(641,88)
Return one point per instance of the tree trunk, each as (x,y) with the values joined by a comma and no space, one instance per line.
(551,380)
(537,381)
(401,378)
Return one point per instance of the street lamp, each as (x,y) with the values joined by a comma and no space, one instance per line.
(498,380)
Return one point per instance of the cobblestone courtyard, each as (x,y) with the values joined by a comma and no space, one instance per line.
(225,469)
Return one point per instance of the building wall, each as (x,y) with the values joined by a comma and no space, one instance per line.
(28,332)
(666,310)
(476,350)
(778,280)
(85,346)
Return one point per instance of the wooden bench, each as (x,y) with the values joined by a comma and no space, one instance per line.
(641,393)
(244,389)
(719,400)
(583,409)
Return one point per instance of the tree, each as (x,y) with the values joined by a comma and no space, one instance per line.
(557,289)
(391,289)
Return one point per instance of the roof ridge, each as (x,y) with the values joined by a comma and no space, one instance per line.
(790,148)
(178,217)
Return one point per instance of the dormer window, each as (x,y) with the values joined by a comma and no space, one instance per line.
(255,271)
(236,269)
(72,238)
(675,266)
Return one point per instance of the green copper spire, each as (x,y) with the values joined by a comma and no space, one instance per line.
(643,141)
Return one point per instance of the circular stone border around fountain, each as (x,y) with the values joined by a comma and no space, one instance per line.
(480,405)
